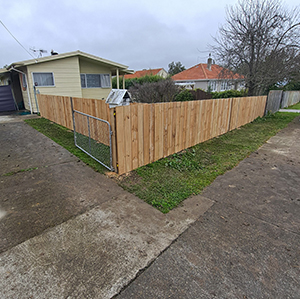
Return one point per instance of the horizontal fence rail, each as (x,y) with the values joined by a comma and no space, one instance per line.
(144,133)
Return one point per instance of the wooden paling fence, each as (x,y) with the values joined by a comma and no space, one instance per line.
(148,132)
(58,109)
(144,133)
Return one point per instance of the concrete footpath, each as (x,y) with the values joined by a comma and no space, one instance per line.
(67,231)
(247,245)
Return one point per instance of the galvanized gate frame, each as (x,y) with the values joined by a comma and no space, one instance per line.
(110,167)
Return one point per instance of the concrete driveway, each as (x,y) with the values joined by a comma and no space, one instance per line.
(67,231)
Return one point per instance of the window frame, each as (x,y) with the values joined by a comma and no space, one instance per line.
(52,74)
(224,85)
(212,83)
(228,84)
(101,80)
(24,81)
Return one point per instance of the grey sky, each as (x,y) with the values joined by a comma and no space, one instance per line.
(140,34)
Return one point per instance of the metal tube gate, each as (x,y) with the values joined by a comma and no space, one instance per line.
(93,136)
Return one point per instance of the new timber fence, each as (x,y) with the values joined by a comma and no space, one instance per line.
(144,133)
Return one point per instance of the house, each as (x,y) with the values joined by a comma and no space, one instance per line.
(209,77)
(155,72)
(75,74)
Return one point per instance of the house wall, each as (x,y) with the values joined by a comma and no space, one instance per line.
(66,78)
(205,84)
(201,85)
(162,73)
(87,67)
(24,91)
(198,84)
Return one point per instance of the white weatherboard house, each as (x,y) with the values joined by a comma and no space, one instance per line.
(75,74)
(209,76)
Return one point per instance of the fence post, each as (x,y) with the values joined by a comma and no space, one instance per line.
(114,139)
(73,117)
(230,114)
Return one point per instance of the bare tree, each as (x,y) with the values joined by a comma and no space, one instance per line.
(260,40)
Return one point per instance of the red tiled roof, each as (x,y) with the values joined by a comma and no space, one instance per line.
(201,72)
(139,74)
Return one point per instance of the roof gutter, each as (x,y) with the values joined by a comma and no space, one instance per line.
(28,94)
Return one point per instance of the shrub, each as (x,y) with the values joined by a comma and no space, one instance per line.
(228,94)
(184,95)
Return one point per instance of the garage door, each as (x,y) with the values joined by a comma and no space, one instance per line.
(6,99)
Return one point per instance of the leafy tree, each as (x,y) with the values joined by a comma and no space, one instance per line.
(141,80)
(260,40)
(294,82)
(175,68)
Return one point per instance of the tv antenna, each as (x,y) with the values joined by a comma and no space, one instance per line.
(39,51)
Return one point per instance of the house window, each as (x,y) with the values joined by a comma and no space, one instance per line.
(212,85)
(225,85)
(95,80)
(43,79)
(105,80)
(24,83)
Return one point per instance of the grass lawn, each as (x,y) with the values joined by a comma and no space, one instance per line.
(296,106)
(167,182)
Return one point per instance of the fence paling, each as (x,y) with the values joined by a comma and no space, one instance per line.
(146,133)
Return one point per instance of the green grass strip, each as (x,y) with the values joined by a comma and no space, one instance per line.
(296,106)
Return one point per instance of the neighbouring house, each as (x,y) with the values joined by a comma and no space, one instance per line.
(209,77)
(75,74)
(155,72)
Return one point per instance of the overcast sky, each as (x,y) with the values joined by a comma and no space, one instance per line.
(140,34)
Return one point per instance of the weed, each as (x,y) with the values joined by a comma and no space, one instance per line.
(18,171)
